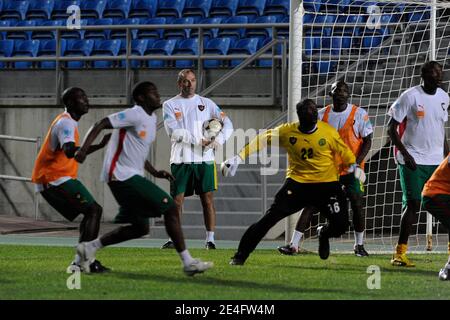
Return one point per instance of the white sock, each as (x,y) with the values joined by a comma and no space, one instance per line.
(186,257)
(97,244)
(296,237)
(448,263)
(77,259)
(359,236)
(209,236)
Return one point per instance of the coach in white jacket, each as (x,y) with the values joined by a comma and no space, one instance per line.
(192,155)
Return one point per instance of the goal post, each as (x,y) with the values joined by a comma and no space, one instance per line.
(378,48)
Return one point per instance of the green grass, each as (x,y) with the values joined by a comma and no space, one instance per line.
(38,272)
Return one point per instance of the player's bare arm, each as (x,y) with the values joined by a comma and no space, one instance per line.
(395,138)
(158,173)
(92,134)
(367,143)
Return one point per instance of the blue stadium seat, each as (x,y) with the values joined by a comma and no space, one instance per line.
(105,48)
(179,33)
(138,48)
(234,33)
(170,8)
(92,9)
(6,50)
(78,48)
(117,9)
(312,5)
(23,35)
(319,20)
(60,8)
(419,14)
(243,46)
(75,34)
(4,24)
(208,33)
(99,34)
(263,32)
(311,45)
(123,33)
(267,62)
(47,34)
(217,46)
(251,8)
(40,9)
(223,8)
(143,9)
(198,9)
(350,29)
(48,48)
(336,5)
(283,32)
(152,33)
(25,48)
(277,8)
(372,40)
(14,10)
(160,47)
(324,67)
(186,47)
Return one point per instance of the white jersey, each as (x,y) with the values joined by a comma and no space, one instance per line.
(362,126)
(188,115)
(62,132)
(128,148)
(422,120)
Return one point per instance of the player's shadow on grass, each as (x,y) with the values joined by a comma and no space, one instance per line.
(209,281)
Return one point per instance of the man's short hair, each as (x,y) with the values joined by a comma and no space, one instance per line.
(429,65)
(68,94)
(141,87)
(336,84)
(303,103)
(182,74)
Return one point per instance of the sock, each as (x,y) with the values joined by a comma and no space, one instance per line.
(97,244)
(77,259)
(296,237)
(209,236)
(448,248)
(401,248)
(359,236)
(186,257)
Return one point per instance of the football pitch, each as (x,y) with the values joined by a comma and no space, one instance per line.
(38,272)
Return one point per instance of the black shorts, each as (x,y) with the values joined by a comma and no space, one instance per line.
(327,197)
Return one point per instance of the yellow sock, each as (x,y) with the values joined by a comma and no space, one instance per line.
(401,248)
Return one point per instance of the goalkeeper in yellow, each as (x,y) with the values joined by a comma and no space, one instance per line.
(311,179)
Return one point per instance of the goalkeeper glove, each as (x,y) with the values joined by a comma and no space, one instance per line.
(357,172)
(229,167)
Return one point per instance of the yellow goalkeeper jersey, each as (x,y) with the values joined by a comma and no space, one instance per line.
(310,155)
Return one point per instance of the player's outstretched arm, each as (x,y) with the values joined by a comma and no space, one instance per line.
(158,173)
(90,137)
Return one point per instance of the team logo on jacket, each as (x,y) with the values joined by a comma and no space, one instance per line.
(292,140)
(322,142)
(201,107)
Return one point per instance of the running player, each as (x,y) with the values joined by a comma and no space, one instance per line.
(123,170)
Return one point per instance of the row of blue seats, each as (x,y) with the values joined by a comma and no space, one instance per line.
(143,47)
(97,9)
(141,34)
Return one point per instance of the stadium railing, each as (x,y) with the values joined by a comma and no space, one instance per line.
(128,56)
(37,141)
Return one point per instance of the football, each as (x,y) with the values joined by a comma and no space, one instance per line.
(211,128)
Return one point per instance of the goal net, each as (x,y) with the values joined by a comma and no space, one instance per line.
(378,48)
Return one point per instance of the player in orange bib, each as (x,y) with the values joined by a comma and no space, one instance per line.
(55,172)
(355,129)
(436,200)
